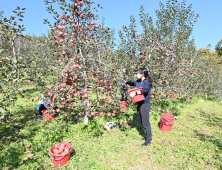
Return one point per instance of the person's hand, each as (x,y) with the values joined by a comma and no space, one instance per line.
(132,94)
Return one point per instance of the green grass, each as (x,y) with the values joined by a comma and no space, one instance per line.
(195,141)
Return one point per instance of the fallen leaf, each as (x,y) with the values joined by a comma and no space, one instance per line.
(28,151)
(40,144)
(30,156)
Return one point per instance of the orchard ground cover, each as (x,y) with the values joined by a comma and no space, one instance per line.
(79,54)
(195,141)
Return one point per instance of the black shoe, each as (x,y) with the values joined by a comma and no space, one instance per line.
(146,143)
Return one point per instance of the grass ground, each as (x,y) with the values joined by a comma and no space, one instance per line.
(195,141)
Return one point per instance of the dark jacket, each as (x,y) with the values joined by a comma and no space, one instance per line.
(146,88)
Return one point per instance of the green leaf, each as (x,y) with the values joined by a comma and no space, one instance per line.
(2,110)
(18,8)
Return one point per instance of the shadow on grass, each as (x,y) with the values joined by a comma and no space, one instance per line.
(31,91)
(174,111)
(214,140)
(18,121)
(158,124)
(206,138)
(210,119)
(137,124)
(11,159)
(25,125)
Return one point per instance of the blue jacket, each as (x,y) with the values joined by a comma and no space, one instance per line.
(146,88)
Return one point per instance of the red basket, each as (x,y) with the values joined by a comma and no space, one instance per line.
(47,115)
(166,122)
(138,97)
(60,160)
(167,117)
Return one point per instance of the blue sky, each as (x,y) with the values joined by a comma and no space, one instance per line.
(117,13)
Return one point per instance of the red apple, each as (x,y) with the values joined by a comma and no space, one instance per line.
(109,114)
(61,150)
(63,85)
(66,150)
(49,94)
(85,96)
(57,110)
(82,16)
(62,146)
(76,13)
(106,81)
(101,113)
(55,151)
(125,121)
(80,3)
(57,145)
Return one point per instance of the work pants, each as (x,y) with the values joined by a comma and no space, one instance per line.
(143,110)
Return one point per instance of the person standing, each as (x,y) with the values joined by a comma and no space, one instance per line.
(143,107)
